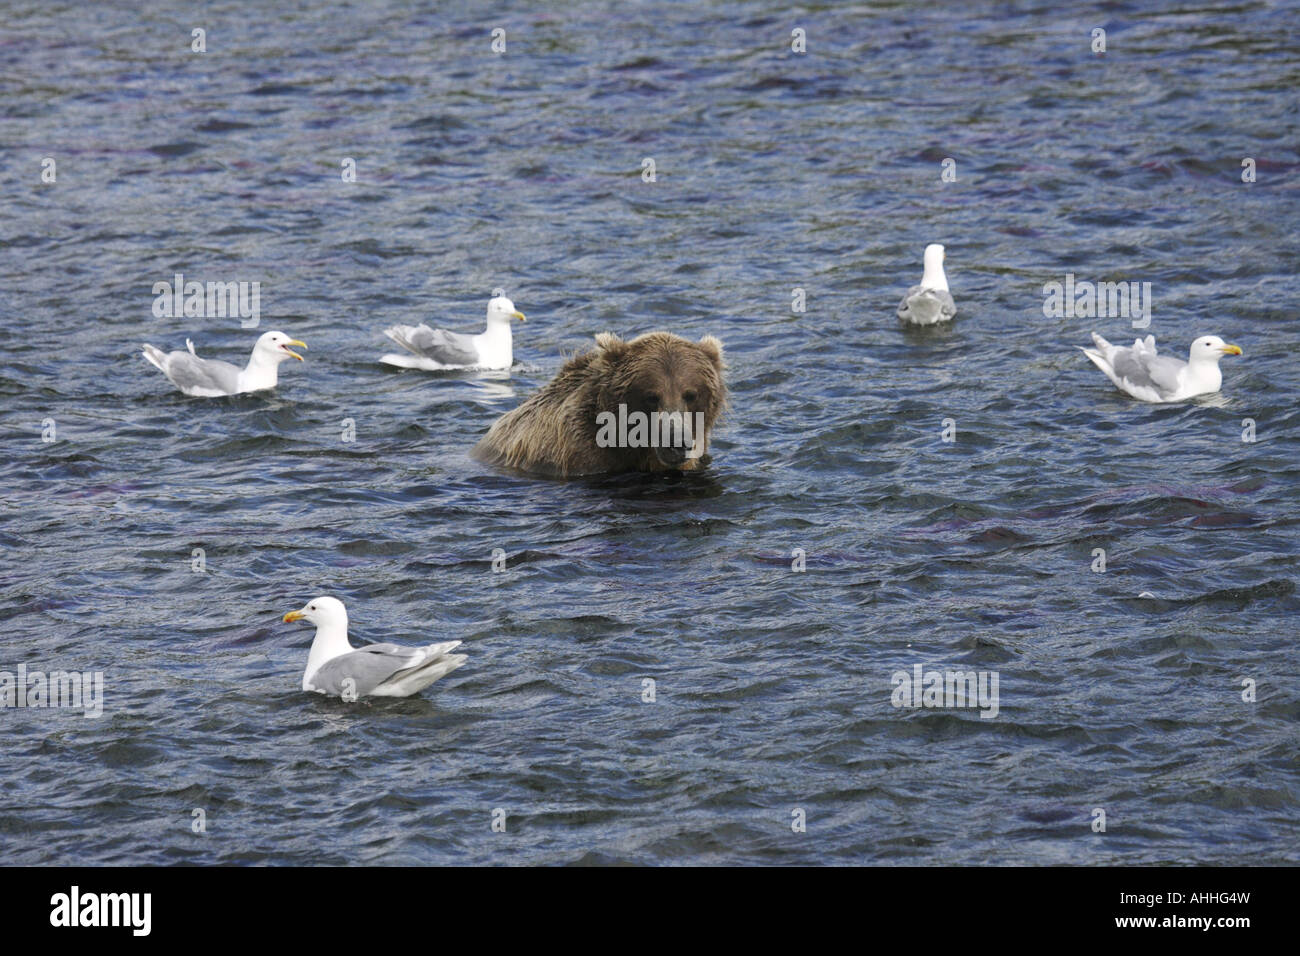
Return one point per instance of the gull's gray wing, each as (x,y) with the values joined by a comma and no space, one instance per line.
(443,347)
(1164,371)
(366,668)
(926,306)
(1143,368)
(202,377)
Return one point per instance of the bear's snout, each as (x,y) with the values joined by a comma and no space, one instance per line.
(673,455)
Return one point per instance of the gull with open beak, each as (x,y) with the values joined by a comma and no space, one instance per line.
(211,378)
(436,350)
(1138,371)
(337,668)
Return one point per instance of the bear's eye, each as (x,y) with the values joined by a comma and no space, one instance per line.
(689,397)
(652,399)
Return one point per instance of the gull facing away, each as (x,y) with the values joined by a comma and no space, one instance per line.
(337,668)
(211,378)
(437,349)
(930,302)
(1138,371)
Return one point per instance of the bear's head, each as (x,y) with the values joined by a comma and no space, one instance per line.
(663,394)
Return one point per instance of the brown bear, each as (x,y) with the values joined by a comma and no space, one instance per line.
(644,405)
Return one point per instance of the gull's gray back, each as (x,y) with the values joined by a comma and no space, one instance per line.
(188,371)
(367,668)
(448,348)
(926,306)
(1146,368)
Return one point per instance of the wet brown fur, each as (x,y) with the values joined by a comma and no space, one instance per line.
(553,433)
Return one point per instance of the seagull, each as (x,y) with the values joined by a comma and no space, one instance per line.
(930,302)
(437,349)
(335,667)
(210,378)
(1138,371)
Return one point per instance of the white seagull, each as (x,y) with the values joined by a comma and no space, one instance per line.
(211,378)
(335,667)
(437,349)
(1138,371)
(930,302)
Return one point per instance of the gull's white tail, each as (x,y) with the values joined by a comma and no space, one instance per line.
(1099,354)
(417,678)
(401,335)
(157,357)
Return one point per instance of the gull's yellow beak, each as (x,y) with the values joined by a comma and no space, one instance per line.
(1230,350)
(293,616)
(518,315)
(297,342)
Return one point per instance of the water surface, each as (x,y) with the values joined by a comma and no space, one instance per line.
(774,172)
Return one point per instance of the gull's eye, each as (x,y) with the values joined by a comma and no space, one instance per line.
(312,608)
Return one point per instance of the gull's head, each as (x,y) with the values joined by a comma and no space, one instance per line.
(933,260)
(275,346)
(322,611)
(1211,348)
(501,311)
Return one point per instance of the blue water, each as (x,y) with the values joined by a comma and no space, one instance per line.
(774,171)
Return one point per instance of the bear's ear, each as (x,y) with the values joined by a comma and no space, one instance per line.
(610,344)
(713,347)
